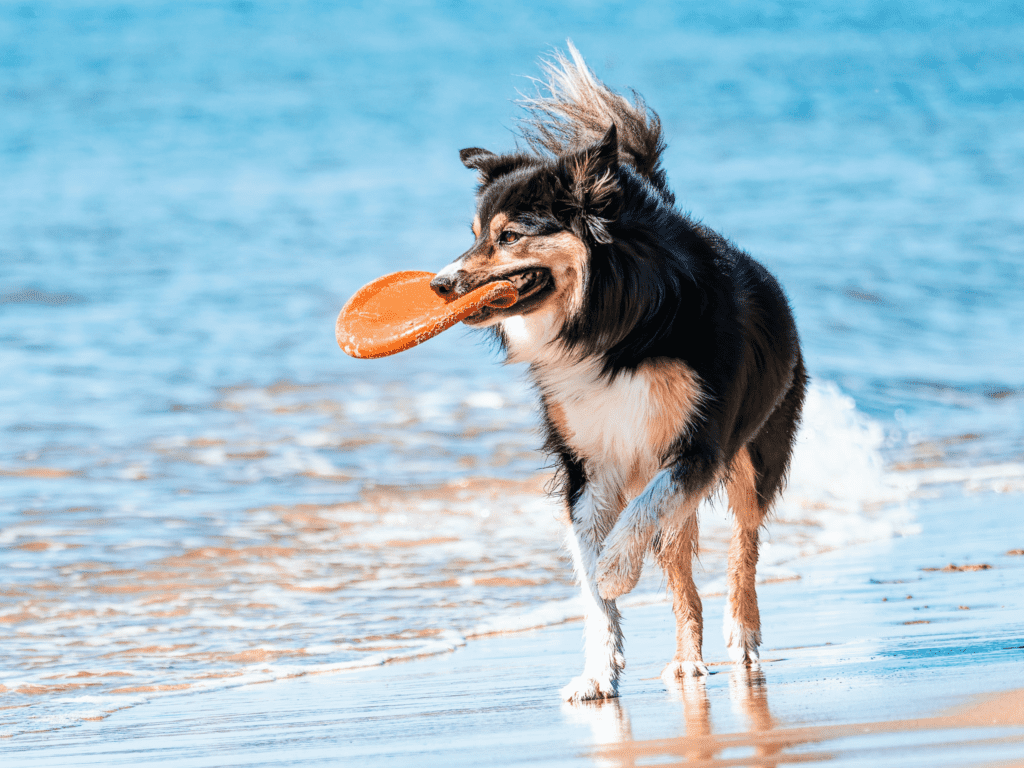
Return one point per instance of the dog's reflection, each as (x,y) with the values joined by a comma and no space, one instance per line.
(693,692)
(609,726)
(748,694)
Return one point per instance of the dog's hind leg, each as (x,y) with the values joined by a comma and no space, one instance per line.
(675,553)
(742,619)
(756,478)
(591,518)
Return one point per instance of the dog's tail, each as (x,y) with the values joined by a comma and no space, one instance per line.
(574,109)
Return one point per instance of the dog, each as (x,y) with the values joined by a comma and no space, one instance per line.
(667,360)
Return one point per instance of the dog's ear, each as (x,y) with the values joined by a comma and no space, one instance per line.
(480,160)
(474,157)
(593,196)
(491,166)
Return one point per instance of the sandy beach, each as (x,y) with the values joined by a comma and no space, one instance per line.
(881,654)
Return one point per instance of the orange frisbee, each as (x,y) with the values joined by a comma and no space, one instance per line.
(400,310)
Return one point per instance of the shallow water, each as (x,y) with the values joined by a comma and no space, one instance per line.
(197,488)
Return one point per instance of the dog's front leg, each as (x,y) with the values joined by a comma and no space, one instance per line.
(660,507)
(622,559)
(673,493)
(604,659)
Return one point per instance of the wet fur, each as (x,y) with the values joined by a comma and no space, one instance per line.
(666,359)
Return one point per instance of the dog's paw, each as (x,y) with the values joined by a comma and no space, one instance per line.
(617,573)
(741,642)
(587,688)
(683,670)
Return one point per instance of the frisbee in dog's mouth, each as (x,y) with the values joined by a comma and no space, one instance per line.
(401,310)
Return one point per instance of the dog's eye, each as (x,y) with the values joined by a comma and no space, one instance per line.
(507,238)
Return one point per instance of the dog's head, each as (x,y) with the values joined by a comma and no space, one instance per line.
(537,221)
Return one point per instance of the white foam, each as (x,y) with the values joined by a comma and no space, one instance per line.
(485,400)
(544,615)
(984,477)
(840,491)
(838,460)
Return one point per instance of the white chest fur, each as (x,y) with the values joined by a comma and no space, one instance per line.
(628,422)
(623,424)
(603,421)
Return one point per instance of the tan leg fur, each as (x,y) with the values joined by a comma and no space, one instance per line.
(676,558)
(742,620)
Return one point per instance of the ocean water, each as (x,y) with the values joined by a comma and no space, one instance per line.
(198,489)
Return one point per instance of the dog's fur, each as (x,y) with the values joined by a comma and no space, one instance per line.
(667,360)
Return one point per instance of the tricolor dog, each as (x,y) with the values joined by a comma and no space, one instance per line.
(666,359)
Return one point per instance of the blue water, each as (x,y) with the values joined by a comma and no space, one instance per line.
(190,191)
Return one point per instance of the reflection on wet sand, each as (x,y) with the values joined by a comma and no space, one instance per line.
(766,744)
(748,694)
(693,692)
(609,724)
(613,734)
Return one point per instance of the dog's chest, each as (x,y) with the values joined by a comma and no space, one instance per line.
(608,422)
(627,421)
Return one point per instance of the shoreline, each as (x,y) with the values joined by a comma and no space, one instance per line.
(864,654)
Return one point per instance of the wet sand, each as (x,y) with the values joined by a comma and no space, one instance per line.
(877,655)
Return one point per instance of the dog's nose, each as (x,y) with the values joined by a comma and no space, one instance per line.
(444,286)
